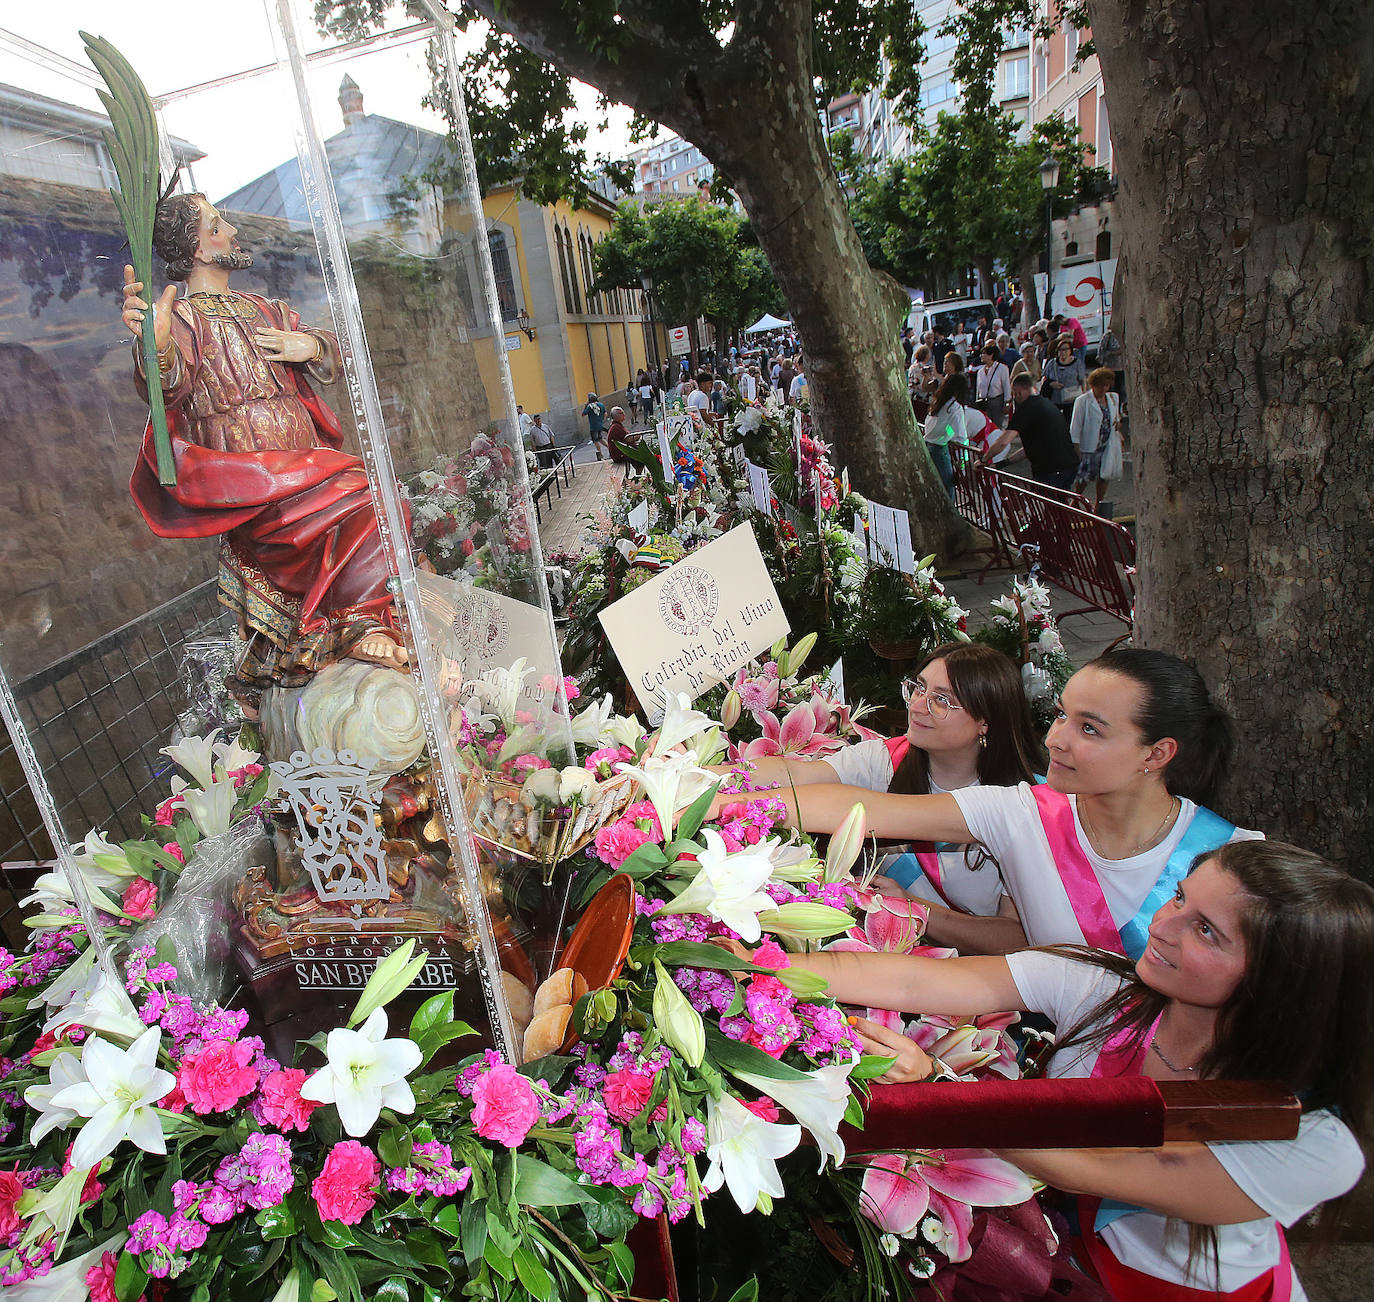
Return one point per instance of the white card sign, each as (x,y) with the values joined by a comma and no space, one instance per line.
(479,630)
(761,487)
(695,623)
(665,450)
(639,518)
(890,534)
(833,682)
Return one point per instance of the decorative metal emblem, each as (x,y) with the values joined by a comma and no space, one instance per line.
(336,799)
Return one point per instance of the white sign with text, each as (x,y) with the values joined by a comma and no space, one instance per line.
(694,624)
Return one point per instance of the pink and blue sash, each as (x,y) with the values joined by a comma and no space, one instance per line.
(1207,831)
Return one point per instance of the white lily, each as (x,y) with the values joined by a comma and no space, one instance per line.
(676,1020)
(588,723)
(212,809)
(793,863)
(63,989)
(706,747)
(680,722)
(845,845)
(671,782)
(819,1103)
(392,975)
(100,1004)
(64,1070)
(728,887)
(501,689)
(743,1150)
(621,730)
(101,862)
(803,920)
(748,420)
(232,756)
(196,756)
(365,1073)
(118,1097)
(53,892)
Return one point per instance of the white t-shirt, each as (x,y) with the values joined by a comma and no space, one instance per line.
(1288,1178)
(1007,821)
(798,389)
(699,400)
(975,890)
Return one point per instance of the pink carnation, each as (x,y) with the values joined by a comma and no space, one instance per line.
(618,841)
(217,1077)
(610,756)
(346,1188)
(174,1100)
(504,1107)
(528,763)
(764,1108)
(643,812)
(100,1279)
(139,899)
(772,955)
(281,1102)
(173,849)
(626,1094)
(11,1191)
(166,811)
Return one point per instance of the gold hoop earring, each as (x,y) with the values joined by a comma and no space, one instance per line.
(983,740)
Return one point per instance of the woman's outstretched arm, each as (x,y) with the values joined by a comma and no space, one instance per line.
(823,806)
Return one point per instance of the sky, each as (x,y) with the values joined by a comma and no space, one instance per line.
(251,124)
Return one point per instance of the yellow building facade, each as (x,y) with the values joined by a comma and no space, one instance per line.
(583,342)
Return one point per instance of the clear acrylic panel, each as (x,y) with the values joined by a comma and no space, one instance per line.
(353,493)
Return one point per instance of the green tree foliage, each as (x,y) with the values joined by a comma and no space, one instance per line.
(701,257)
(969,196)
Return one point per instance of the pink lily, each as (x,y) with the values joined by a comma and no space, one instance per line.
(969,1044)
(900,1189)
(797,729)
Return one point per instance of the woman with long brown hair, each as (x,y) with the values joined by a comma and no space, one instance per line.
(968,724)
(1256,968)
(1137,752)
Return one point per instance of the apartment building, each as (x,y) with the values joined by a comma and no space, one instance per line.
(671,168)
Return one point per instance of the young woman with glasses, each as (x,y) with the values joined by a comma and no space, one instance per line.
(1256,968)
(967,725)
(1137,750)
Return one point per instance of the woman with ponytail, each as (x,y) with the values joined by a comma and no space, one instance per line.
(1137,750)
(968,725)
(1256,967)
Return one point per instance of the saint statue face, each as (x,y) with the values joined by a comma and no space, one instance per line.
(218,241)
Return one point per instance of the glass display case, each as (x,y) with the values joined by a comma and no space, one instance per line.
(298,668)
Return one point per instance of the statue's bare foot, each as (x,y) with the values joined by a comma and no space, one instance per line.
(379,649)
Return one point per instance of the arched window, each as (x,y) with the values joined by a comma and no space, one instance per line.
(1104,245)
(584,245)
(504,273)
(572,293)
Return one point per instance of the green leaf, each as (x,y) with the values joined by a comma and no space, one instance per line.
(609,1218)
(395,1145)
(870,1066)
(474,1232)
(691,953)
(624,1262)
(390,1290)
(435,1012)
(338,1235)
(277,1222)
(735,1056)
(499,1261)
(532,1273)
(321,1292)
(130,1278)
(854,1112)
(746,1292)
(499,1233)
(435,1039)
(539,1185)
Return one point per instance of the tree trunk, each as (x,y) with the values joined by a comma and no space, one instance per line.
(1030,300)
(850,332)
(1245,204)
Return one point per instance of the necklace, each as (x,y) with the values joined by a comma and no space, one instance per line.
(1174,806)
(1154,1044)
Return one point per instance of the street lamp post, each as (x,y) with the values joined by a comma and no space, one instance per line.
(648,283)
(1049,180)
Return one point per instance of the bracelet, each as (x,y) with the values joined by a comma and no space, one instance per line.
(319,350)
(166,357)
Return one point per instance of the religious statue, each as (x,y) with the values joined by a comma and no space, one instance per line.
(258,461)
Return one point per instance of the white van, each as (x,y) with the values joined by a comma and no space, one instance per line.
(947,313)
(1083,291)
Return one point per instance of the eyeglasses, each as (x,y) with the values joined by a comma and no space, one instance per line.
(937,703)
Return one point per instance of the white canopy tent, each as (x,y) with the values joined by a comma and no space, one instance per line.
(766,322)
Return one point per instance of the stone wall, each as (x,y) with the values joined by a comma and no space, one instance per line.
(76,558)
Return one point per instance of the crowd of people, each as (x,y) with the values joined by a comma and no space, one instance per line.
(1092,882)
(982,390)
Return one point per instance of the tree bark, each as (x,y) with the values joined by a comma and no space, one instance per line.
(1245,206)
(750,108)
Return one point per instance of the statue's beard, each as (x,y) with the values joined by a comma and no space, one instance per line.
(235,260)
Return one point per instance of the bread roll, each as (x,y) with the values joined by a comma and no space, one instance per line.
(547,1032)
(518,1000)
(558,989)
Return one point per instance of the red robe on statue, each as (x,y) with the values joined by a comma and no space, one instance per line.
(258,462)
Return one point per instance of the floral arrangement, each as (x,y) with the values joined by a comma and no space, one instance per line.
(1022,624)
(155,1148)
(468,514)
